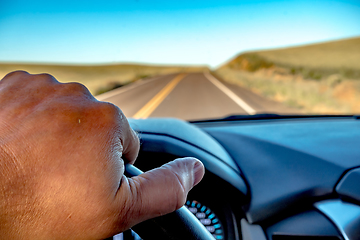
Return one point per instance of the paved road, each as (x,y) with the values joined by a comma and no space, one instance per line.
(190,96)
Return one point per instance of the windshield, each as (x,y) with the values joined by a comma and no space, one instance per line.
(193,59)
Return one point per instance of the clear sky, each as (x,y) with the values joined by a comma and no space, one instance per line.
(165,32)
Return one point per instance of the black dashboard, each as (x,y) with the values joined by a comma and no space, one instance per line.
(266,179)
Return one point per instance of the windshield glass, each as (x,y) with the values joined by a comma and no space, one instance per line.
(193,59)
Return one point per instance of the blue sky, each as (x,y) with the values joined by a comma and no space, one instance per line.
(165,32)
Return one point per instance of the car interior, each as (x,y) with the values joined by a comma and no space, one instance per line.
(264,93)
(267,176)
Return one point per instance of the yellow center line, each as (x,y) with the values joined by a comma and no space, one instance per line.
(148,108)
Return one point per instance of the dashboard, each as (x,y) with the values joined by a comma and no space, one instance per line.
(291,178)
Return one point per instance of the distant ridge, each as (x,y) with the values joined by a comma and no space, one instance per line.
(341,56)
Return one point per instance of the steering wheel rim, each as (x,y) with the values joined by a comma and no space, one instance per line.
(178,225)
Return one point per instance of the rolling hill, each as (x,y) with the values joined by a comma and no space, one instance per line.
(321,59)
(317,78)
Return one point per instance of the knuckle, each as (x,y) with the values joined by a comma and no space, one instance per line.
(44,77)
(181,201)
(109,113)
(18,73)
(180,192)
(22,79)
(75,87)
(109,109)
(15,75)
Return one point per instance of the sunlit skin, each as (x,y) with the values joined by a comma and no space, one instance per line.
(62,157)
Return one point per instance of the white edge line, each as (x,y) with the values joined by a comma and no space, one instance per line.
(230,94)
(103,96)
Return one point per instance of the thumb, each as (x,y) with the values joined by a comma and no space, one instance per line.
(164,189)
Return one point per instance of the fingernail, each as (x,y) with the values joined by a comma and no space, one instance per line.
(198,172)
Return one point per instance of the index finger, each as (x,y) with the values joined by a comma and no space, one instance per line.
(129,139)
(131,147)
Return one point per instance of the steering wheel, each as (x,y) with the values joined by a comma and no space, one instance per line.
(179,225)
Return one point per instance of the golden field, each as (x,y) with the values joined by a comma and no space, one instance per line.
(98,78)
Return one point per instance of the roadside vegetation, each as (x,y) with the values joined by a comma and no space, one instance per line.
(99,78)
(320,78)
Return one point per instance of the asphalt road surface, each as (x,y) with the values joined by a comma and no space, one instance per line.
(188,96)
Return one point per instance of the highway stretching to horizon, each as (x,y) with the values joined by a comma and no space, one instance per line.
(189,96)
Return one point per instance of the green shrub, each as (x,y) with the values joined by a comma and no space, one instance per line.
(108,87)
(250,62)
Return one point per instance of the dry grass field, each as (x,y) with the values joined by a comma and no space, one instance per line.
(319,79)
(98,78)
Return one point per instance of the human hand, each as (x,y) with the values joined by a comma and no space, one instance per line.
(62,156)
